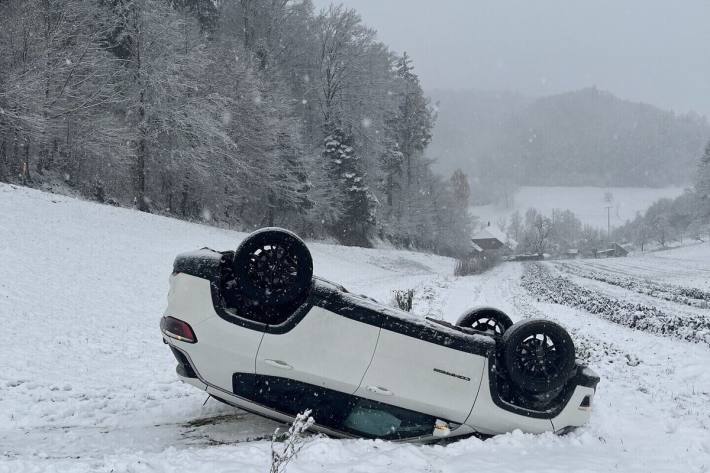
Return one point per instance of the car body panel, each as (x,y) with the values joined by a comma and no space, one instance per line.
(324,349)
(189,297)
(423,376)
(222,347)
(573,415)
(489,418)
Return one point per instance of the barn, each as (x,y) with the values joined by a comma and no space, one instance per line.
(493,241)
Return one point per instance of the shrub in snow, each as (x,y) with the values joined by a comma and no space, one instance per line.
(292,442)
(474,265)
(404,299)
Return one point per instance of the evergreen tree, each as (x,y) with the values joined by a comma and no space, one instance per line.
(346,170)
(515,227)
(391,161)
(414,121)
(702,182)
(461,188)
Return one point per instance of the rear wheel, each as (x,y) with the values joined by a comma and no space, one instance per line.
(538,355)
(485,319)
(273,266)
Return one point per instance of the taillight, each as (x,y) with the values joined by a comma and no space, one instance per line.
(177,329)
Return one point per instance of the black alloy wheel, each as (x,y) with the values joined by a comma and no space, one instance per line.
(273,266)
(538,355)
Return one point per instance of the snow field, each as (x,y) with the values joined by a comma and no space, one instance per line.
(587,203)
(87,385)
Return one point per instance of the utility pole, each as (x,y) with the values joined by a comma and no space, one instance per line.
(608,223)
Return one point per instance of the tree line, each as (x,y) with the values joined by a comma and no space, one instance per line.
(536,233)
(687,217)
(243,112)
(684,218)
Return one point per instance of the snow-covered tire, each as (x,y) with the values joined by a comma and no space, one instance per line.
(538,355)
(485,319)
(273,266)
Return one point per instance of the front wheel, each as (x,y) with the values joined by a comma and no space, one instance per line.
(273,266)
(538,355)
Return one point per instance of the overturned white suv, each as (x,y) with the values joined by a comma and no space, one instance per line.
(255,329)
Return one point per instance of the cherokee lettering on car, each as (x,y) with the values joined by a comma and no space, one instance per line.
(449,373)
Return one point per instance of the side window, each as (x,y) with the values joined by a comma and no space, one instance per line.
(374,419)
(337,410)
(328,407)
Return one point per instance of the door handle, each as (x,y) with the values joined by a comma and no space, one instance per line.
(279,364)
(379,390)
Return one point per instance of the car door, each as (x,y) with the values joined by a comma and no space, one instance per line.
(323,349)
(417,367)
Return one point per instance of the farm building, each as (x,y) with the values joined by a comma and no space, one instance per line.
(614,250)
(571,253)
(491,240)
(618,250)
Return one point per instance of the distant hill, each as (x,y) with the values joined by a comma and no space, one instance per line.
(582,138)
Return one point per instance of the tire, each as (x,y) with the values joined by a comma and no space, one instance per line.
(485,319)
(538,355)
(273,266)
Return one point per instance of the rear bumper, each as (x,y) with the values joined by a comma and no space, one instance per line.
(193,381)
(184,368)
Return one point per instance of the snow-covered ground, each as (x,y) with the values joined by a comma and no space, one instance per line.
(87,386)
(588,203)
(685,266)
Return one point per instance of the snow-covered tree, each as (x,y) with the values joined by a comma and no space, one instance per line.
(515,227)
(461,188)
(173,122)
(391,162)
(414,121)
(346,171)
(218,110)
(702,180)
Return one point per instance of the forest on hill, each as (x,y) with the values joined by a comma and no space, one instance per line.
(243,113)
(583,138)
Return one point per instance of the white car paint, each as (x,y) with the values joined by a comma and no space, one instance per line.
(404,366)
(329,350)
(324,349)
(222,348)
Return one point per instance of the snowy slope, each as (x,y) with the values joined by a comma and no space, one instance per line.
(586,202)
(88,386)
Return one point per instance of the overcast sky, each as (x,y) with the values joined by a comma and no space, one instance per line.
(652,51)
